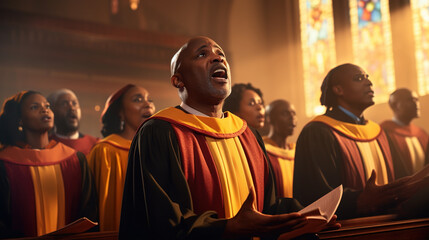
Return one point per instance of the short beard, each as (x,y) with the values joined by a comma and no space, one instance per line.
(65,129)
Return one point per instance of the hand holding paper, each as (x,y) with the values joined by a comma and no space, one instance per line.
(320,214)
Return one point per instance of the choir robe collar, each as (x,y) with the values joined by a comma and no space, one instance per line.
(53,154)
(227,127)
(367,132)
(117,141)
(273,149)
(410,130)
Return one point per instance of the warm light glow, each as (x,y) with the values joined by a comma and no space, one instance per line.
(97,108)
(420,9)
(319,110)
(318,48)
(372,44)
(134,4)
(114,6)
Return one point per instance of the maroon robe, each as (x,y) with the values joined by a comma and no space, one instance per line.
(400,152)
(17,187)
(83,144)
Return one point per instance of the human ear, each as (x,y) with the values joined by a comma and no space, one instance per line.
(338,90)
(394,106)
(176,81)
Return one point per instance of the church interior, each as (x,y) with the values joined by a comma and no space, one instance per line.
(96,47)
(283,47)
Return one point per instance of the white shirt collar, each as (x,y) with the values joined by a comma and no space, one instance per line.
(194,111)
(74,136)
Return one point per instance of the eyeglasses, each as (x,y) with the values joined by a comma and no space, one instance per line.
(360,77)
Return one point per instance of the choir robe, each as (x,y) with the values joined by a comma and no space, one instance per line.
(282,161)
(43,190)
(332,150)
(108,161)
(408,146)
(83,144)
(178,171)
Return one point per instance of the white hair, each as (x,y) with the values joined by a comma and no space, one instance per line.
(52,98)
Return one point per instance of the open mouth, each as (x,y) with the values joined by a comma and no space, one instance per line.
(46,118)
(219,73)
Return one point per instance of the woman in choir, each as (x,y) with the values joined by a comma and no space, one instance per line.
(246,102)
(123,113)
(44,185)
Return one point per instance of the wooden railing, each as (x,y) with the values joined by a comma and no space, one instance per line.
(375,228)
(108,235)
(383,227)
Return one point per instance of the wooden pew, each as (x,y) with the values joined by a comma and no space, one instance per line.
(108,235)
(384,227)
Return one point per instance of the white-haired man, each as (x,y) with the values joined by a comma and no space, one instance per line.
(66,108)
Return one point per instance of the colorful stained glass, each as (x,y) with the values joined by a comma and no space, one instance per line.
(372,44)
(420,10)
(318,47)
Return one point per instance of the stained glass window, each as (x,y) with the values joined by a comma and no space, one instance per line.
(420,10)
(372,44)
(318,47)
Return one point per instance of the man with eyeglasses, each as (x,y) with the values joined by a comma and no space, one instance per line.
(342,147)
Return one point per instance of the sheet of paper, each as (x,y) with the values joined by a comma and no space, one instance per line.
(79,226)
(327,204)
(319,213)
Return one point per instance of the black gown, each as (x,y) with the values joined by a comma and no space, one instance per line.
(157,202)
(319,164)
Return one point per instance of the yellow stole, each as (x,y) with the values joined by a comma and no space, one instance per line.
(286,163)
(228,154)
(365,138)
(417,153)
(49,196)
(48,182)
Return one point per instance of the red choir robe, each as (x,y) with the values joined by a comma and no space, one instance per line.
(43,190)
(83,144)
(408,146)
